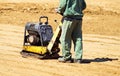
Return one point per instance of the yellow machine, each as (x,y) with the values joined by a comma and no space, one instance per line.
(39,40)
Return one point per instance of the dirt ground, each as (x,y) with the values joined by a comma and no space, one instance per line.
(101,39)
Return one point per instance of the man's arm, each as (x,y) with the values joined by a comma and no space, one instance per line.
(62,6)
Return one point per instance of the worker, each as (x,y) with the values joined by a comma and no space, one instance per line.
(72,12)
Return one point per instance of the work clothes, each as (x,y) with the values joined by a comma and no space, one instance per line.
(71,27)
(72,8)
(71,30)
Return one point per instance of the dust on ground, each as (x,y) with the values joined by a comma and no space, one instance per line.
(100,37)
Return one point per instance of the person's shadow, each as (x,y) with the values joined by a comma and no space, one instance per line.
(87,61)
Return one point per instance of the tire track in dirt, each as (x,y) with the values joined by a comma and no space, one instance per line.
(12,64)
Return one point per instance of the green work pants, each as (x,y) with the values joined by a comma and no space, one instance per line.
(71,30)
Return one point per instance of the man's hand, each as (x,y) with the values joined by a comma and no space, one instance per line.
(56,10)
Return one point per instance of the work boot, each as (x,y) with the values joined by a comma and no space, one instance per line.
(63,60)
(81,61)
(77,60)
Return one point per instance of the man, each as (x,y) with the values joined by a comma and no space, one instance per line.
(71,29)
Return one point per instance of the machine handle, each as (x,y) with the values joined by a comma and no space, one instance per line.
(42,18)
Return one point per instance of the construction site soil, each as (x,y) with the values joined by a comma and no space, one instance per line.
(101,39)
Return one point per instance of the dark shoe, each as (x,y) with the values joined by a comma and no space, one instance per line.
(77,60)
(62,59)
(81,61)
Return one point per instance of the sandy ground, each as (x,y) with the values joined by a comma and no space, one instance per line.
(101,38)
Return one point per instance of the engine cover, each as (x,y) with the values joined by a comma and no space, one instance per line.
(37,34)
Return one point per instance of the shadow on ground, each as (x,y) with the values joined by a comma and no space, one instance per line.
(98,60)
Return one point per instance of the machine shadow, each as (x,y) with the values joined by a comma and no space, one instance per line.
(84,61)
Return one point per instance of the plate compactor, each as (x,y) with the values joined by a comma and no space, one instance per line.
(39,40)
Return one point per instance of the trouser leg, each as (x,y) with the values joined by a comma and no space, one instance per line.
(65,39)
(77,39)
